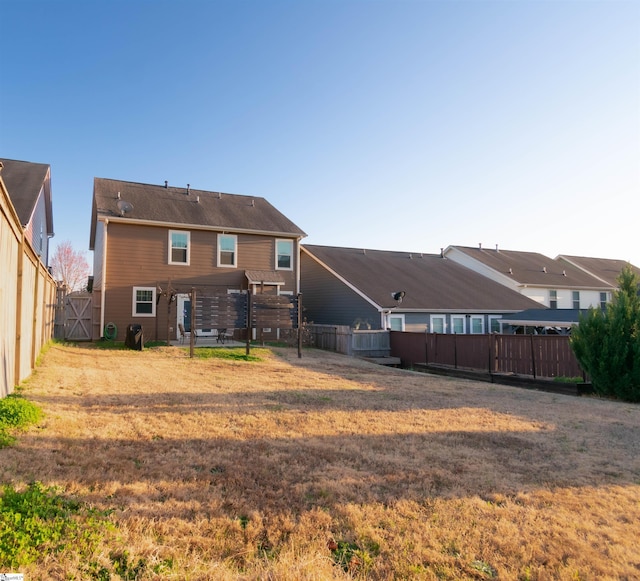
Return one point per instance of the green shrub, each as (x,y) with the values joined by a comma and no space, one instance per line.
(607,342)
(16,413)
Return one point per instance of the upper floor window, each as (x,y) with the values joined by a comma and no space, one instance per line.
(603,300)
(575,296)
(144,301)
(284,254)
(179,246)
(553,299)
(227,250)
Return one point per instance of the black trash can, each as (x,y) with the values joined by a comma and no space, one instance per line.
(134,338)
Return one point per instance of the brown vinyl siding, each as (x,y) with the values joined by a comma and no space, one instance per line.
(137,256)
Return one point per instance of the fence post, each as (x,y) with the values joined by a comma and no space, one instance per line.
(192,334)
(299,325)
(533,358)
(247,348)
(455,350)
(426,347)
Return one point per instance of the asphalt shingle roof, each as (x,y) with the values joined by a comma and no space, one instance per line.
(24,181)
(171,205)
(532,268)
(429,281)
(606,269)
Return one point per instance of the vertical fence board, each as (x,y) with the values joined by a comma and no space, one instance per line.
(27,293)
(549,355)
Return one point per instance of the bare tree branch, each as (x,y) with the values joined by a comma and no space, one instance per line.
(70,266)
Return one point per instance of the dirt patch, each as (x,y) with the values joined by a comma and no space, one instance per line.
(331,467)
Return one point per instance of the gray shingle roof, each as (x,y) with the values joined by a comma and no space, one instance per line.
(605,269)
(24,180)
(179,206)
(533,269)
(429,281)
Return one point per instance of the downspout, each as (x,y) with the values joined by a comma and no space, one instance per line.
(104,278)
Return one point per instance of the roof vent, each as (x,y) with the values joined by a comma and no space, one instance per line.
(510,270)
(166,184)
(410,255)
(253,203)
(188,189)
(197,199)
(544,269)
(564,273)
(118,196)
(480,245)
(219,195)
(497,248)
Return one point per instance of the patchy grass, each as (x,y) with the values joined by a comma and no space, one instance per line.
(323,468)
(229,353)
(38,521)
(16,413)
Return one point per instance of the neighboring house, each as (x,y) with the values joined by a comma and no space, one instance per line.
(152,243)
(29,187)
(355,287)
(552,283)
(605,269)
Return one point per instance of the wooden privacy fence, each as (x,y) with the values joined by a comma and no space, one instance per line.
(27,300)
(343,339)
(534,355)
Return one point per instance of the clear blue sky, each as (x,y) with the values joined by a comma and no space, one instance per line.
(400,125)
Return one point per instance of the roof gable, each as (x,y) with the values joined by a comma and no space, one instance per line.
(606,269)
(188,208)
(429,281)
(532,268)
(25,180)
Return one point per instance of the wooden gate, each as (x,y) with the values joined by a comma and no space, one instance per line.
(77,317)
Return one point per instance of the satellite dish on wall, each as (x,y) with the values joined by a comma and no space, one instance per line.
(124,207)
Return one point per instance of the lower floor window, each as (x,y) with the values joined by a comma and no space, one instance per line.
(144,301)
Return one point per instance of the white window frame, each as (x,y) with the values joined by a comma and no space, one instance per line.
(604,299)
(134,311)
(235,251)
(553,298)
(444,322)
(290,242)
(476,318)
(188,258)
(396,316)
(575,298)
(494,318)
(464,323)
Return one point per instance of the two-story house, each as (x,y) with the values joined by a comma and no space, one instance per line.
(403,291)
(564,286)
(148,239)
(29,187)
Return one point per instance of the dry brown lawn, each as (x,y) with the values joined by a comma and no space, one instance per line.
(331,468)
